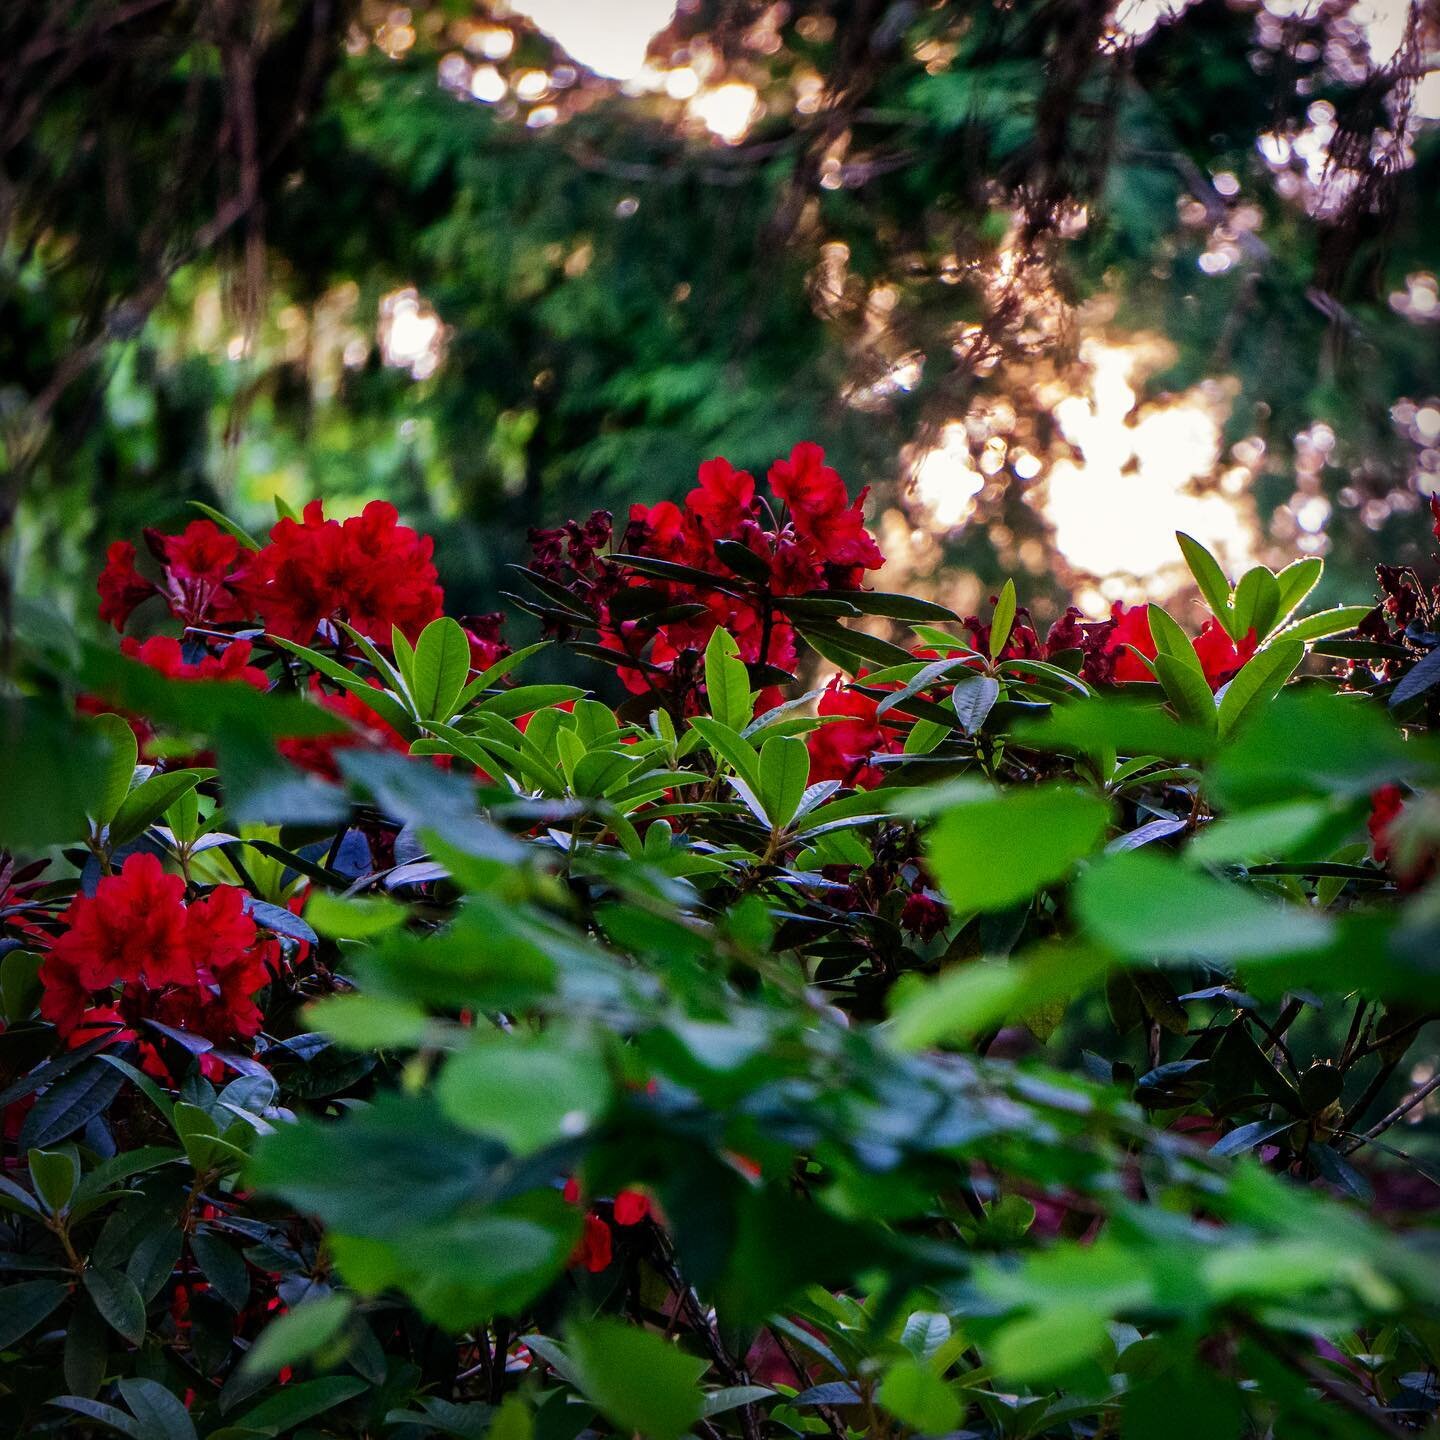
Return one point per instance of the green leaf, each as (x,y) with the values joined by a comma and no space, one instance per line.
(526,1093)
(1257,603)
(732,748)
(993,852)
(87,1352)
(205,707)
(298,1334)
(1049,1345)
(161,1414)
(119,767)
(20,986)
(122,1166)
(974,697)
(223,1267)
(1269,832)
(966,1000)
(1258,682)
(1118,724)
(382,702)
(1296,581)
(732,1397)
(357,918)
(1187,690)
(1324,623)
(892,607)
(147,802)
(1003,620)
(119,1303)
(101,1413)
(1212,580)
(367,1022)
(638,1381)
(55,1174)
(442,664)
(498,671)
(784,774)
(925,1332)
(1315,742)
(727,683)
(56,769)
(24,1306)
(1144,907)
(404,653)
(919,1398)
(69,1104)
(296,1404)
(1171,640)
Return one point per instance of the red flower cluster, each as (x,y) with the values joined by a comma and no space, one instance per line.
(135,951)
(370,571)
(316,753)
(1219,656)
(817,542)
(1407,859)
(596,1249)
(845,749)
(164,654)
(1071,632)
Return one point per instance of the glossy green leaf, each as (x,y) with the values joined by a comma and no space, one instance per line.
(638,1380)
(441,667)
(299,1333)
(1145,907)
(526,1094)
(1211,579)
(992,852)
(1003,619)
(784,774)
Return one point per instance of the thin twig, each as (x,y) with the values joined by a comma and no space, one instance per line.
(1416,1097)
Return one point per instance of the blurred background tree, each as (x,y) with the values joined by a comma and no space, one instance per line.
(1053,276)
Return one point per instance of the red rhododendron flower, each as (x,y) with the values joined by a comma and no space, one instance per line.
(370,571)
(821,510)
(823,545)
(631,1207)
(202,552)
(1219,656)
(596,1248)
(132,929)
(200,566)
(923,915)
(842,750)
(165,654)
(486,645)
(121,586)
(316,753)
(195,968)
(1132,628)
(1071,632)
(724,497)
(1385,807)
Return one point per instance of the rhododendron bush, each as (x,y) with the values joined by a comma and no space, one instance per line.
(721,998)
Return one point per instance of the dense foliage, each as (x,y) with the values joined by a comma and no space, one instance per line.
(208,210)
(1007,1036)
